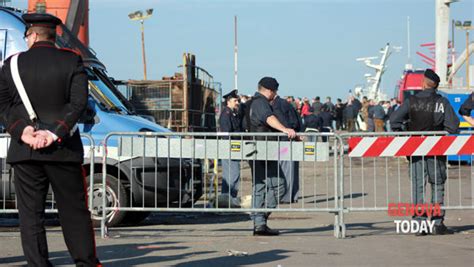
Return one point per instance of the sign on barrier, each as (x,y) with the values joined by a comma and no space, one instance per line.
(222,149)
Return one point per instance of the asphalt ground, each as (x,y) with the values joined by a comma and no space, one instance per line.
(307,238)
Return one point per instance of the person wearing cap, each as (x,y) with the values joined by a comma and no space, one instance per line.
(230,122)
(466,108)
(268,184)
(47,150)
(427,111)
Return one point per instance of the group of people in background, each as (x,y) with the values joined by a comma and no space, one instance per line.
(277,182)
(312,114)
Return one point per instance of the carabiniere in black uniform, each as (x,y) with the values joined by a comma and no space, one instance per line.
(56,84)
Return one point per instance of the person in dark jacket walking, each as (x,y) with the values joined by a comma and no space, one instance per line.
(47,150)
(316,106)
(350,114)
(339,108)
(427,111)
(379,117)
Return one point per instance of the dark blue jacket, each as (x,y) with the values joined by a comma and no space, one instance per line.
(286,114)
(444,116)
(467,106)
(230,121)
(326,119)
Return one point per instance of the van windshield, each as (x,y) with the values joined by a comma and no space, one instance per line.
(104,95)
(102,89)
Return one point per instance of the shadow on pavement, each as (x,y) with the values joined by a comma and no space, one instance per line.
(354,195)
(118,255)
(194,218)
(257,258)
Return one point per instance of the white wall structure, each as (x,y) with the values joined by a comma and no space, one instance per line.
(442,33)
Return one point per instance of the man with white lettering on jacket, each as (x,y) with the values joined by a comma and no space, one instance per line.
(427,111)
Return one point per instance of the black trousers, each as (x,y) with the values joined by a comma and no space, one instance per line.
(32,179)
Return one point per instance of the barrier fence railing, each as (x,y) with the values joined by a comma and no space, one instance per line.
(133,174)
(383,170)
(164,172)
(8,199)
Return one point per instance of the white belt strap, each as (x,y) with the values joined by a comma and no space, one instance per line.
(21,88)
(23,94)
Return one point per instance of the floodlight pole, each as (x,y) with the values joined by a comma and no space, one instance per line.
(466,26)
(143,47)
(235,54)
(138,15)
(467,58)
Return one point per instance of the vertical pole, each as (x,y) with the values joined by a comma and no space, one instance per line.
(467,59)
(453,52)
(442,8)
(408,41)
(143,48)
(235,53)
(186,85)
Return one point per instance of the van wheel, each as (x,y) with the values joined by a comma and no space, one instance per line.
(115,197)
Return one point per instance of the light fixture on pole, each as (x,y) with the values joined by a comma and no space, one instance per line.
(141,16)
(466,26)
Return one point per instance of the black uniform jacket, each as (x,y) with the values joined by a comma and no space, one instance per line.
(230,121)
(467,106)
(56,84)
(444,116)
(286,114)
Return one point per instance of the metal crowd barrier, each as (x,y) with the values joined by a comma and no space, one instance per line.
(158,172)
(8,201)
(133,174)
(379,168)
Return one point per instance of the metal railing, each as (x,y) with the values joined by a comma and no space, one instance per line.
(8,199)
(384,169)
(221,172)
(165,172)
(373,181)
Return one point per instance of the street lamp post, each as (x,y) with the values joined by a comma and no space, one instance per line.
(141,16)
(466,26)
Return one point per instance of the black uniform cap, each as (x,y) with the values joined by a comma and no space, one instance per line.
(41,20)
(269,83)
(233,94)
(430,74)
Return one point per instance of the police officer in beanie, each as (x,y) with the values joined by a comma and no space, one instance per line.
(268,185)
(466,108)
(230,122)
(47,150)
(427,111)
